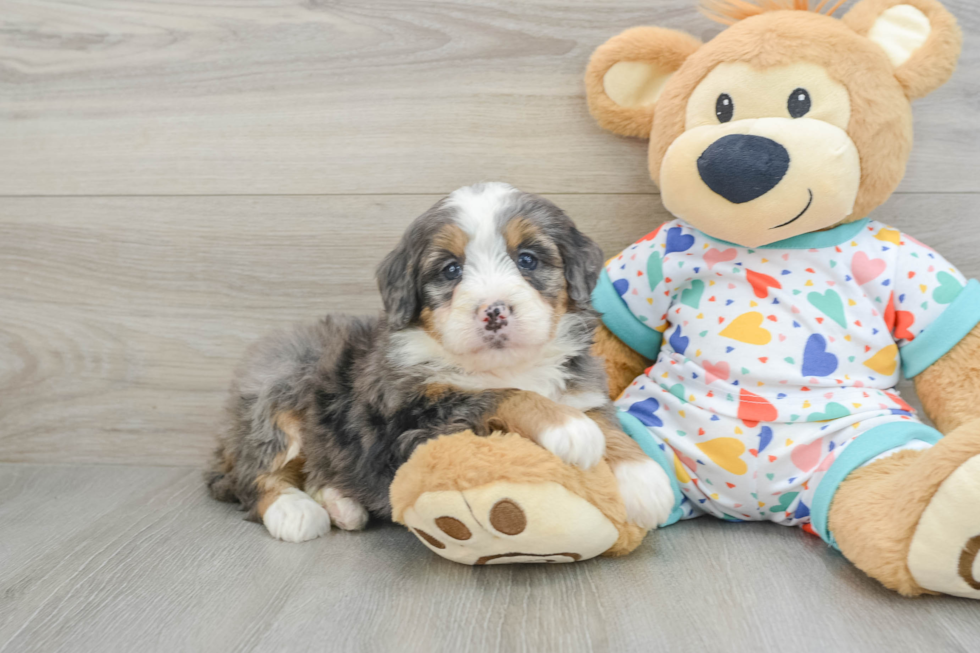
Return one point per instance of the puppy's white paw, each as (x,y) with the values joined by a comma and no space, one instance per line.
(646,491)
(579,441)
(345,513)
(296,517)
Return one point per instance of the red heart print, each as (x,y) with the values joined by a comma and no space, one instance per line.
(761,283)
(753,409)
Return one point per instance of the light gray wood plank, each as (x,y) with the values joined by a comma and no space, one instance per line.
(141,560)
(121,319)
(219,97)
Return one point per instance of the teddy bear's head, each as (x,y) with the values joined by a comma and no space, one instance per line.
(789,121)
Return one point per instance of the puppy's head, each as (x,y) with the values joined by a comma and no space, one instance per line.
(488,273)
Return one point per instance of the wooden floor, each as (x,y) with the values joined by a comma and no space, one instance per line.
(178,178)
(127,558)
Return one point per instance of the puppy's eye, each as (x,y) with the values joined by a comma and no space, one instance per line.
(724,107)
(527,261)
(798,103)
(452,271)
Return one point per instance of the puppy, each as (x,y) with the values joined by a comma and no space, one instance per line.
(487,326)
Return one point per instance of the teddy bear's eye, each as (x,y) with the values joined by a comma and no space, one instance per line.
(724,107)
(798,103)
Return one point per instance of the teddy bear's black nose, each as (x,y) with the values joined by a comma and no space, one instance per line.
(742,167)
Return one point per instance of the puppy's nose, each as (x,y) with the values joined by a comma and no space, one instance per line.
(742,167)
(495,316)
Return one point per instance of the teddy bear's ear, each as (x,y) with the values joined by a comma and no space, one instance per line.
(627,73)
(920,38)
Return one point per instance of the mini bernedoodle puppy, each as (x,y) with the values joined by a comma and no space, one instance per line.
(487,326)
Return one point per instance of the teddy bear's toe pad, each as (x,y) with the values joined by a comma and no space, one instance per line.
(503,522)
(943,556)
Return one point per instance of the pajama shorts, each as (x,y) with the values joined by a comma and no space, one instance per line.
(786,473)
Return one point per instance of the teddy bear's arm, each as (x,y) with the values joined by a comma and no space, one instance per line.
(622,363)
(950,387)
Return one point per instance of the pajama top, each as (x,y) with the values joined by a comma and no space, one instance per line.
(772,363)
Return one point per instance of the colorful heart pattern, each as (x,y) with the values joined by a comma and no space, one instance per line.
(866,269)
(772,360)
(747,328)
(885,362)
(714,256)
(753,409)
(726,453)
(830,304)
(817,361)
(761,283)
(948,290)
(692,296)
(716,372)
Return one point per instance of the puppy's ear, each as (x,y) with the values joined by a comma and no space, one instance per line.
(919,37)
(627,73)
(582,259)
(398,280)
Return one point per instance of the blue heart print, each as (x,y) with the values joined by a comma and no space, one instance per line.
(817,361)
(679,341)
(644,411)
(621,286)
(802,510)
(677,241)
(765,437)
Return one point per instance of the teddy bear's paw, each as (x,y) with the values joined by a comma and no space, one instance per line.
(646,491)
(943,556)
(503,522)
(579,441)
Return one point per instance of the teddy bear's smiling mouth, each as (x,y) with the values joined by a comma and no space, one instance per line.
(800,214)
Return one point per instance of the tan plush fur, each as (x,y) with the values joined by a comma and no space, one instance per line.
(950,389)
(729,12)
(665,48)
(622,363)
(931,65)
(877,508)
(463,461)
(881,117)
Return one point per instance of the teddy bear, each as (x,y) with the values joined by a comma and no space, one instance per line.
(754,343)
(756,340)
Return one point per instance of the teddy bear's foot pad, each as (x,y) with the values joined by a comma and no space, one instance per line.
(943,556)
(504,522)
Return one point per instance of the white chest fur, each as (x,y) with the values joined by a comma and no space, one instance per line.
(542,371)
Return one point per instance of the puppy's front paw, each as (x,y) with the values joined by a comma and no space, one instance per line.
(296,517)
(579,441)
(346,513)
(646,491)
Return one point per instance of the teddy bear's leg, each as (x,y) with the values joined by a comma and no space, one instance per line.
(503,499)
(912,520)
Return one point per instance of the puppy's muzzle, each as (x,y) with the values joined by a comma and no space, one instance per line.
(742,167)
